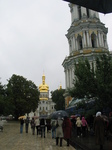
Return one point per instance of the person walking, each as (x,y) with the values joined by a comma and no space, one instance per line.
(33,126)
(67,129)
(21,125)
(99,128)
(53,128)
(78,124)
(37,124)
(42,127)
(27,124)
(59,131)
(109,128)
(84,126)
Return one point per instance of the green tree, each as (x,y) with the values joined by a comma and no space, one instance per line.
(104,81)
(84,83)
(2,99)
(58,98)
(23,95)
(94,82)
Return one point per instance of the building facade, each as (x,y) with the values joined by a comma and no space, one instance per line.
(46,105)
(87,38)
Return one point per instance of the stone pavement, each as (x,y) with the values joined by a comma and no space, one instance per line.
(11,139)
(88,142)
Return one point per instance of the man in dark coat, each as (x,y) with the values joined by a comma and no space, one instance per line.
(42,126)
(67,128)
(99,128)
(27,124)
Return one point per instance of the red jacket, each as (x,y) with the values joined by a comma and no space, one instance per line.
(67,128)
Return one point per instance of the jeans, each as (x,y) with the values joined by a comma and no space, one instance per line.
(33,130)
(21,128)
(42,131)
(27,128)
(54,133)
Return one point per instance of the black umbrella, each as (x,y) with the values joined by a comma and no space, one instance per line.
(59,114)
(103,6)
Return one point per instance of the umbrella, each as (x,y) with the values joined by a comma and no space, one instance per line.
(103,6)
(22,117)
(59,113)
(73,116)
(35,117)
(43,117)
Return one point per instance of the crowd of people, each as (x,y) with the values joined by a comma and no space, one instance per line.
(35,123)
(62,128)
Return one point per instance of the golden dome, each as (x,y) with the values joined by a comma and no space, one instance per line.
(43,87)
(60,87)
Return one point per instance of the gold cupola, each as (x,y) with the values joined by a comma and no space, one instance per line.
(60,87)
(43,87)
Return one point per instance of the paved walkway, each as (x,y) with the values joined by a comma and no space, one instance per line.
(88,142)
(11,139)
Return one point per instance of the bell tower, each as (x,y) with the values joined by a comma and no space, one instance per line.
(87,38)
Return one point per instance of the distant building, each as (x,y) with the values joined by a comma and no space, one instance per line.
(46,105)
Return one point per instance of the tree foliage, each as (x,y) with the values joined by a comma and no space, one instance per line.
(58,98)
(84,82)
(2,99)
(93,81)
(23,95)
(103,76)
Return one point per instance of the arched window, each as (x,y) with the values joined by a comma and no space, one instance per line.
(79,11)
(104,40)
(79,40)
(70,45)
(87,10)
(93,40)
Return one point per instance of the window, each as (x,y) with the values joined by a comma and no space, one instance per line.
(79,11)
(79,40)
(93,40)
(87,10)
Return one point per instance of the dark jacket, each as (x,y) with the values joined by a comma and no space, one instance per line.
(42,122)
(21,121)
(33,123)
(99,128)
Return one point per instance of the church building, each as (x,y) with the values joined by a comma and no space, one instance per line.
(46,105)
(87,39)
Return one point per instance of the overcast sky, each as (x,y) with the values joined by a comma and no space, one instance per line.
(33,41)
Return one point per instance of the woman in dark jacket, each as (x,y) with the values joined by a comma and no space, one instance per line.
(67,128)
(99,128)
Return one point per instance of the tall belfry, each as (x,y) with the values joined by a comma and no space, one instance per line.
(87,38)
